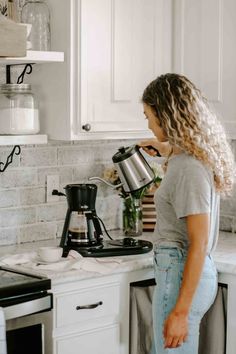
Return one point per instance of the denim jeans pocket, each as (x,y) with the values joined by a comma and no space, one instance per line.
(162,261)
(165,258)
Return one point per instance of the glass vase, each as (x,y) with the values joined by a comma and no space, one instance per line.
(132,216)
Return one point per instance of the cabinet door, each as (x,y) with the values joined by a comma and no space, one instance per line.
(113,49)
(205,51)
(124,45)
(104,340)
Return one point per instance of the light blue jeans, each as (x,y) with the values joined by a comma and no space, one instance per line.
(168,266)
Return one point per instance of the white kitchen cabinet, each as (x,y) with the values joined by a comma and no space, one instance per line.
(205,51)
(101,323)
(86,317)
(104,340)
(113,49)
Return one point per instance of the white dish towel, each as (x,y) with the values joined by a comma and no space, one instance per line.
(73,261)
(3,343)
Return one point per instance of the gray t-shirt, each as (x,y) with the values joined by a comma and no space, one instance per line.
(186,189)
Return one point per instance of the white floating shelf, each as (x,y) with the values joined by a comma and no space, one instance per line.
(23,139)
(34,56)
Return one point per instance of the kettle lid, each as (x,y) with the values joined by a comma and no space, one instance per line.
(124,152)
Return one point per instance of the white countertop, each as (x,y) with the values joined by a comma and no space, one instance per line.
(224,256)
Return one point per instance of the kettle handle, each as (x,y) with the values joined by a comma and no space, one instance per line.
(150,147)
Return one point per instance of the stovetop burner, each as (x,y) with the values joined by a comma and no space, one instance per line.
(123,247)
(16,283)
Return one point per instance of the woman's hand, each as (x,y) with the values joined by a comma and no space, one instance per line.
(175,330)
(163,148)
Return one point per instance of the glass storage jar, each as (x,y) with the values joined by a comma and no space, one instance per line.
(36,13)
(19,113)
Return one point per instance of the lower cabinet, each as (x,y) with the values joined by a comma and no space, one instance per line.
(86,318)
(103,340)
(92,316)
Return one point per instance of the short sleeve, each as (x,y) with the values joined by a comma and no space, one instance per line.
(192,192)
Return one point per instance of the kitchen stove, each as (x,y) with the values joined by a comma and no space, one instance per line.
(25,313)
(15,283)
(21,288)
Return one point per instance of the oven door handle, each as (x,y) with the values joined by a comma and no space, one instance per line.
(28,308)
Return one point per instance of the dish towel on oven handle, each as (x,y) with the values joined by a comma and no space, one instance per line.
(3,342)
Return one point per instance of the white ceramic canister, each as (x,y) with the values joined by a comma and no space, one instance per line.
(19,113)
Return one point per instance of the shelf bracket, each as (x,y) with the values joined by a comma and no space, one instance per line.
(22,75)
(16,150)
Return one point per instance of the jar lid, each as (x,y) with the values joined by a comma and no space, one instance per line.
(15,87)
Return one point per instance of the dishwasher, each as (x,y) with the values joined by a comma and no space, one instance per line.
(212,339)
(26,317)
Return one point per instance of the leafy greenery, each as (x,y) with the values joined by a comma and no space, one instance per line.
(3,10)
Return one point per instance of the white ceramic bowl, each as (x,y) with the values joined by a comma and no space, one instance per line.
(50,254)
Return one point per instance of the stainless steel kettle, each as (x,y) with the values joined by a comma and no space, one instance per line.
(133,170)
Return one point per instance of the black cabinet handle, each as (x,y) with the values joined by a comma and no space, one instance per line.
(86,127)
(88,307)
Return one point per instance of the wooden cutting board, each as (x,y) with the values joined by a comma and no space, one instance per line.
(149,212)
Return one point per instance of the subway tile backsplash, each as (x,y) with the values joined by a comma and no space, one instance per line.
(25,216)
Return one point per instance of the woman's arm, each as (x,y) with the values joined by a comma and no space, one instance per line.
(176,325)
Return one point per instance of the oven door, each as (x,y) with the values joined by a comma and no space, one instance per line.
(29,325)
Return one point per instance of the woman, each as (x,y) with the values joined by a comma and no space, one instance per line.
(199,167)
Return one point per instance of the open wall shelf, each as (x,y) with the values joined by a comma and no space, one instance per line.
(34,57)
(23,139)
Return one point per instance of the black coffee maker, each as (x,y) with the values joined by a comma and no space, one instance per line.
(82,227)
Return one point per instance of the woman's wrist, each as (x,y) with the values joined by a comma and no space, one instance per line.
(179,310)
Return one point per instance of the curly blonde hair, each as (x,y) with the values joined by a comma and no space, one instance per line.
(189,123)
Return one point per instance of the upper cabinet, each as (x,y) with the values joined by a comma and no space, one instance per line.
(204,50)
(113,49)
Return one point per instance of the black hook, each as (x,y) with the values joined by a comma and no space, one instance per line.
(10,158)
(22,75)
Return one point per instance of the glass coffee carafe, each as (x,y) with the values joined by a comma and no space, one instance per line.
(78,229)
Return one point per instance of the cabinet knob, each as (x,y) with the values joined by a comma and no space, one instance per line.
(86,127)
